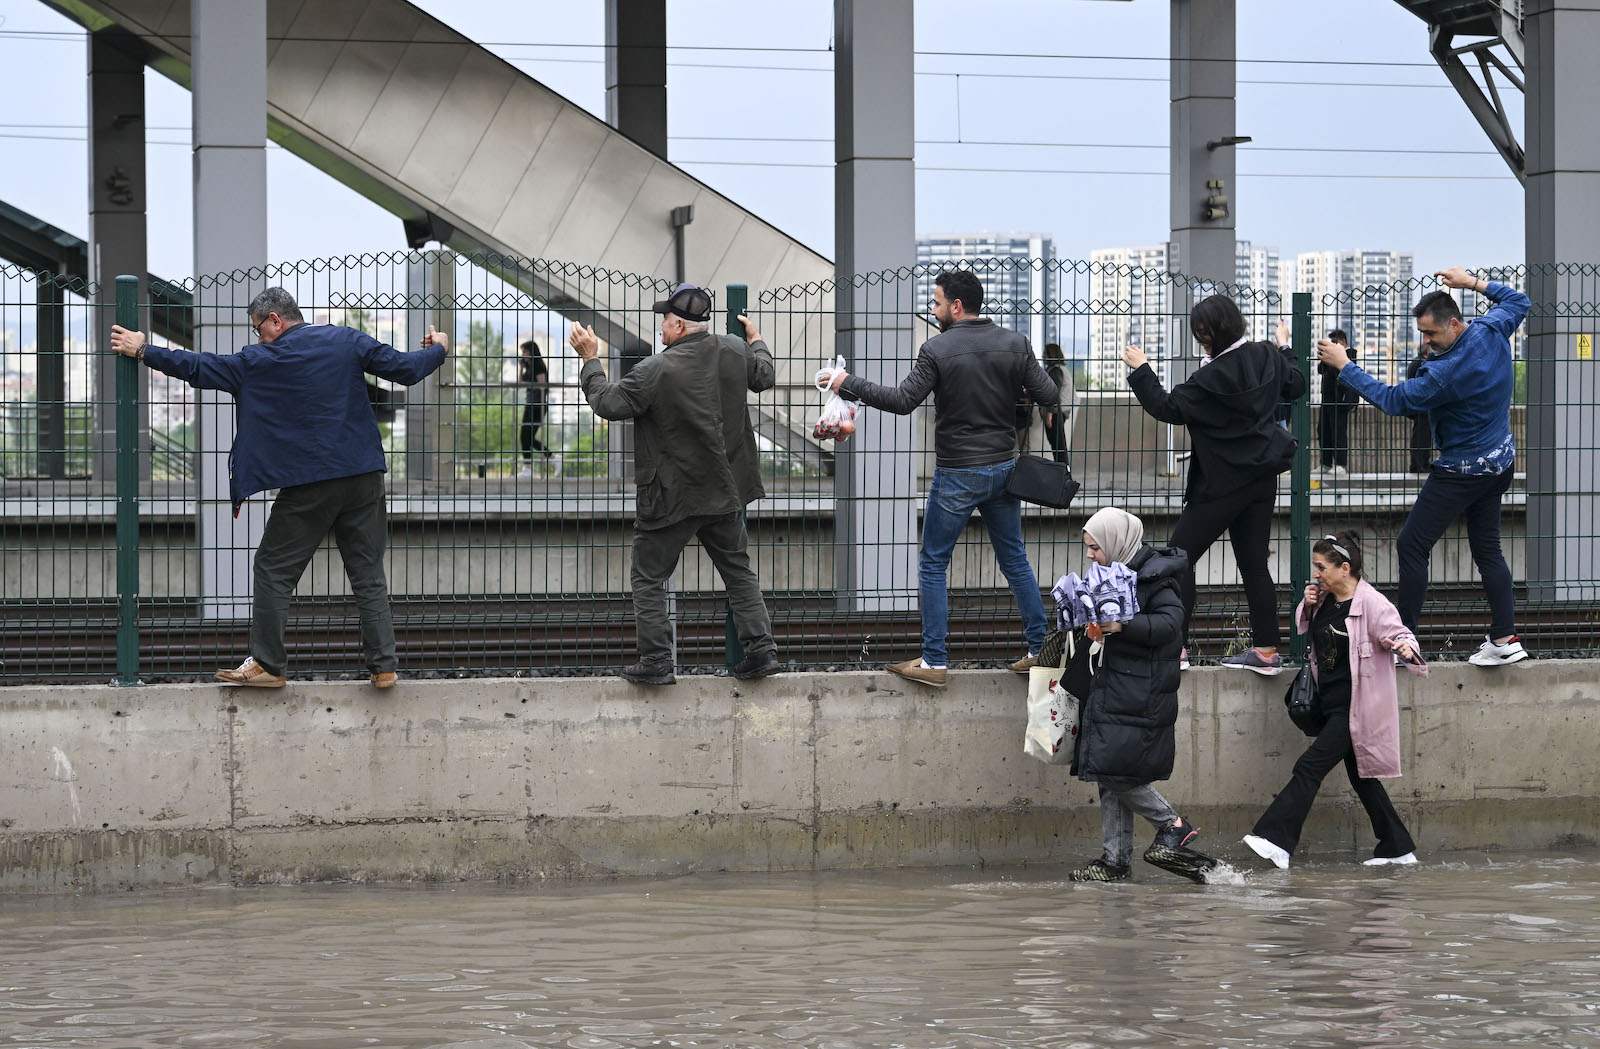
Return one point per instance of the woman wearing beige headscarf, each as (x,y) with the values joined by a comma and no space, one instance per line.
(1125,734)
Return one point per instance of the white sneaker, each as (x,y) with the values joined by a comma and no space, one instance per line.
(1268,851)
(1183,660)
(1408,860)
(1339,471)
(525,473)
(555,465)
(1490,654)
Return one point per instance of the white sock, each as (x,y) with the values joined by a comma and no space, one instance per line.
(928,666)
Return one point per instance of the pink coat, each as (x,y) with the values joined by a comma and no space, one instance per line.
(1374,625)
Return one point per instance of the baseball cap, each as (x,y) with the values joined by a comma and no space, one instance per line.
(687,301)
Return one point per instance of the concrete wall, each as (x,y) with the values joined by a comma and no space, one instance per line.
(105,788)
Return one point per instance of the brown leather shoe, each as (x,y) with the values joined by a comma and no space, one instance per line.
(913,670)
(1023,665)
(251,674)
(385,680)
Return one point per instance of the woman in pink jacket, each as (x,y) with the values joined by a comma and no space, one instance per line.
(1354,629)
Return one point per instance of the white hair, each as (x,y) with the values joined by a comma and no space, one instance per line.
(695,327)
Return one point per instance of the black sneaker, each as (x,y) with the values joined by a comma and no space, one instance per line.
(757,664)
(650,674)
(1100,870)
(1171,853)
(1176,834)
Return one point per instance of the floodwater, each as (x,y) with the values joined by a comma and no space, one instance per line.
(1463,951)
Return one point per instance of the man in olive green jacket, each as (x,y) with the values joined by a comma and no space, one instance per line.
(696,467)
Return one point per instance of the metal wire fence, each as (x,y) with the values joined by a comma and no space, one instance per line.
(510,504)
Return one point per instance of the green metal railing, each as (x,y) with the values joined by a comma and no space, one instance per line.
(510,503)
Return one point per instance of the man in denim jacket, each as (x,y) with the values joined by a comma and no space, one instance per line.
(1465,387)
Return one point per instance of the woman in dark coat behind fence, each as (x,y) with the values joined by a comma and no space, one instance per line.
(1229,406)
(1125,733)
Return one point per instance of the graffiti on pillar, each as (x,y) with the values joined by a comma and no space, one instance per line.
(119,187)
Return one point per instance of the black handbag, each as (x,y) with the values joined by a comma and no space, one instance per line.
(1303,703)
(1043,482)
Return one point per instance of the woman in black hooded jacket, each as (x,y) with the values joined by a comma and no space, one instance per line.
(1229,406)
(1125,724)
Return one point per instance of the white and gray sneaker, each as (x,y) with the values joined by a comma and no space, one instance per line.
(1490,654)
(1268,851)
(1408,860)
(1252,660)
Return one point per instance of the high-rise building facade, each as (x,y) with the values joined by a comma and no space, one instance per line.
(1018,272)
(1366,294)
(1132,301)
(1155,317)
(1260,281)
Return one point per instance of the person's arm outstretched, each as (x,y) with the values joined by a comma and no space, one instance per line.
(203,371)
(1153,397)
(760,373)
(408,369)
(898,400)
(628,398)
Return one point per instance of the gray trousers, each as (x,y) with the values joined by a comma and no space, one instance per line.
(1117,809)
(655,557)
(302,516)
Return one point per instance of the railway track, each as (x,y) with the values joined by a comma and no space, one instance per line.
(498,637)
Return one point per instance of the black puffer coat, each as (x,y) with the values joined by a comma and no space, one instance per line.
(1125,726)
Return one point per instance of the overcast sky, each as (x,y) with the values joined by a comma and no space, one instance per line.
(1358,141)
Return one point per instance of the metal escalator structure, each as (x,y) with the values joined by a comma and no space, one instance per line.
(468,150)
(1493,32)
(34,244)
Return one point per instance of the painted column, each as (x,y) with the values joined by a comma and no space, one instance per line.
(636,71)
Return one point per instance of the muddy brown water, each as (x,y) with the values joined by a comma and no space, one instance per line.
(1463,951)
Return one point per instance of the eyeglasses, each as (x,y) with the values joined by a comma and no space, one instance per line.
(256,327)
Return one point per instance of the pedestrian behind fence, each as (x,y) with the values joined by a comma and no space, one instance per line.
(974,367)
(1058,416)
(1356,639)
(1465,387)
(696,466)
(305,427)
(535,376)
(1421,443)
(1230,406)
(1126,735)
(1333,419)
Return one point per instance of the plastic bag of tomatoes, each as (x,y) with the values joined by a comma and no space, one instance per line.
(838,419)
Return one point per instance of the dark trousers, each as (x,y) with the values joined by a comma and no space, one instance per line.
(1333,434)
(655,556)
(1421,444)
(1247,518)
(1446,496)
(1055,431)
(532,419)
(302,516)
(1284,818)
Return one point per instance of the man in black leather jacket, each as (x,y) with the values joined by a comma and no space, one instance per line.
(974,368)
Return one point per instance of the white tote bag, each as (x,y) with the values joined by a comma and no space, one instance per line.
(1052,717)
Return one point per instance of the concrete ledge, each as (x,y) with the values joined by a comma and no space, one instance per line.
(105,788)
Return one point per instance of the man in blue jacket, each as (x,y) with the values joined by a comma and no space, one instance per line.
(305,427)
(1464,385)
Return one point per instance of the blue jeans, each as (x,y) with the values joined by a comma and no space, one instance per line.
(951,500)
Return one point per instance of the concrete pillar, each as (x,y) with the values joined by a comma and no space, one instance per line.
(1203,51)
(636,71)
(1562,226)
(229,98)
(117,228)
(430,404)
(875,516)
(50,318)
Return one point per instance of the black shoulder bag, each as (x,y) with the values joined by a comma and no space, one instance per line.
(1041,481)
(1303,704)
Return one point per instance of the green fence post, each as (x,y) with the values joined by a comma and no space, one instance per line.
(127,492)
(738,299)
(1300,473)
